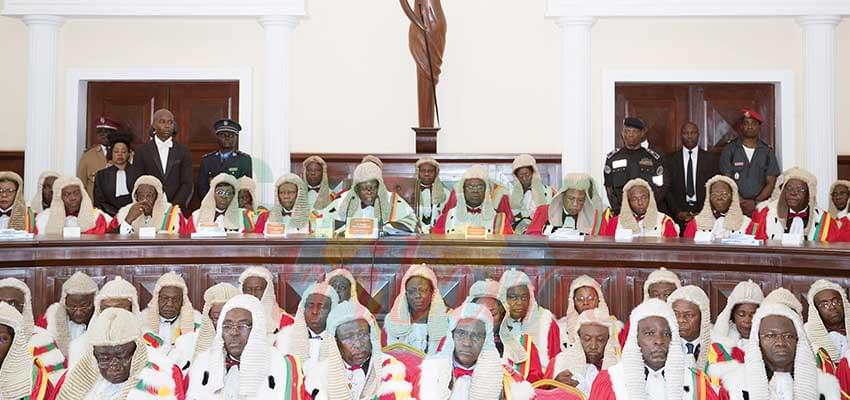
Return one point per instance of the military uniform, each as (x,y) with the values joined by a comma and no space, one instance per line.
(94,158)
(235,163)
(623,165)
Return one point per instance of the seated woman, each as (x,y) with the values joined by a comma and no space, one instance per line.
(71,207)
(14,212)
(721,213)
(639,213)
(291,207)
(219,207)
(112,184)
(149,209)
(576,206)
(418,316)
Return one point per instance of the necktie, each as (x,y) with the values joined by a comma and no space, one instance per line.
(230,362)
(460,372)
(689,179)
(6,213)
(476,210)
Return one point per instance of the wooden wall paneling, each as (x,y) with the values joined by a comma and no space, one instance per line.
(54,278)
(664,108)
(844,167)
(381,283)
(132,104)
(12,161)
(719,285)
(555,290)
(294,281)
(455,281)
(799,285)
(722,105)
(144,277)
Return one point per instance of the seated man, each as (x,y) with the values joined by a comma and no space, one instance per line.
(721,213)
(779,363)
(170,315)
(355,367)
(214,299)
(471,204)
(71,207)
(247,195)
(733,325)
(304,338)
(41,343)
(640,214)
(290,209)
(219,208)
(14,212)
(652,364)
(525,316)
(528,192)
(21,376)
(576,206)
(594,349)
(660,284)
(468,366)
(429,194)
(585,294)
(242,364)
(839,202)
(518,352)
(69,318)
(44,191)
(258,282)
(827,328)
(418,316)
(314,173)
(344,283)
(119,365)
(369,198)
(117,293)
(148,209)
(795,211)
(691,306)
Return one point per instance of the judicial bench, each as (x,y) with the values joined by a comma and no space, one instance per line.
(378,265)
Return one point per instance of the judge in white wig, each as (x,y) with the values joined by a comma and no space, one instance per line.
(170,327)
(828,319)
(161,215)
(590,299)
(37,203)
(41,343)
(779,363)
(342,280)
(88,218)
(149,374)
(379,375)
(255,370)
(60,322)
(535,321)
(401,326)
(295,215)
(684,301)
(214,299)
(793,211)
(254,278)
(528,191)
(733,327)
(720,215)
(469,376)
(221,210)
(660,284)
(20,376)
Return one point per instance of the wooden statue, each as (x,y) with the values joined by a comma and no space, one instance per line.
(427,39)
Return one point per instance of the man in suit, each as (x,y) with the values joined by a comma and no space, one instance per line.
(227,160)
(94,159)
(168,161)
(688,170)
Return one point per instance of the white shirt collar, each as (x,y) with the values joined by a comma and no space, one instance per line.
(160,143)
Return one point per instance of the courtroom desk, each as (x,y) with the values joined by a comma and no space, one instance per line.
(46,262)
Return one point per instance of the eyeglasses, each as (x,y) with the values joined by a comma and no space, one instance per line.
(78,307)
(801,190)
(243,328)
(119,360)
(7,191)
(414,291)
(460,335)
(834,303)
(224,193)
(720,195)
(357,337)
(476,187)
(515,297)
(582,299)
(773,337)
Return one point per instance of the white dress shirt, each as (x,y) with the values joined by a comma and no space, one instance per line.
(585,381)
(357,379)
(231,384)
(315,340)
(121,183)
(418,336)
(690,359)
(163,148)
(528,207)
(166,331)
(4,220)
(781,386)
(127,229)
(425,202)
(311,197)
(656,387)
(76,330)
(749,153)
(694,155)
(104,390)
(840,342)
(461,386)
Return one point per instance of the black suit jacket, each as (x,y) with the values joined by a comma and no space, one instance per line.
(177,177)
(674,172)
(104,189)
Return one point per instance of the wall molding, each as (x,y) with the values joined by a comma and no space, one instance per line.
(695,8)
(155,8)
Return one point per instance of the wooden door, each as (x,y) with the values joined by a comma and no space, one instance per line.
(196,106)
(713,107)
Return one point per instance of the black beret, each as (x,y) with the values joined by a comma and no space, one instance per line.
(634,122)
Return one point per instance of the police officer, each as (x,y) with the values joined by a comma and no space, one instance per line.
(227,159)
(750,162)
(633,161)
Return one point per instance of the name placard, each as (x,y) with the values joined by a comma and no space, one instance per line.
(624,235)
(476,232)
(275,229)
(792,239)
(71,232)
(703,237)
(147,232)
(361,228)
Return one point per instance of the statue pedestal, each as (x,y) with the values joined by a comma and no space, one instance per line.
(426,140)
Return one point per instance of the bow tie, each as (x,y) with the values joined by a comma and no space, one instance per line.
(6,213)
(476,210)
(646,373)
(461,372)
(75,215)
(286,213)
(639,218)
(218,214)
(802,214)
(354,368)
(364,205)
(313,189)
(168,143)
(230,362)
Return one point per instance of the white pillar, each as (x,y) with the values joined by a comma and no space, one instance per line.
(819,100)
(276,101)
(575,94)
(41,101)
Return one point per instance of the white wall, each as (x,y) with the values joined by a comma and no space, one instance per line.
(354,80)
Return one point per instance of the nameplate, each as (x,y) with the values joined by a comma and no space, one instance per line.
(147,232)
(792,239)
(361,228)
(624,235)
(275,230)
(567,235)
(71,232)
(208,230)
(704,237)
(475,232)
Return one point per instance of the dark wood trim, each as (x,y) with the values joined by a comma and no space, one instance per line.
(844,167)
(12,160)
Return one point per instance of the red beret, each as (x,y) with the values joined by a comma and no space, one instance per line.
(749,113)
(104,122)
